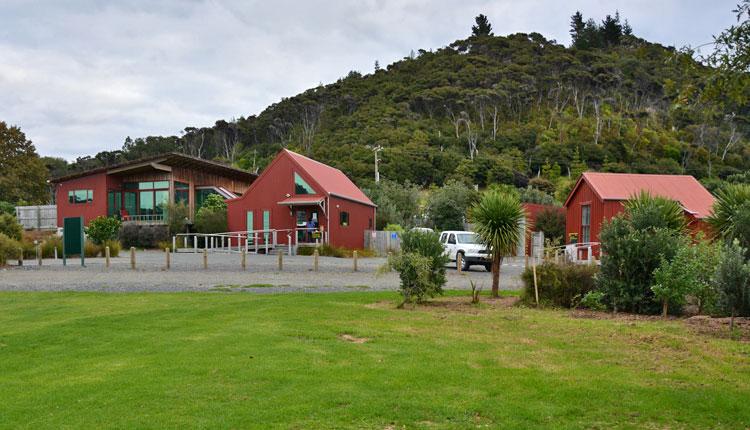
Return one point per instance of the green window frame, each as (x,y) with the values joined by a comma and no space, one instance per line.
(300,186)
(77,197)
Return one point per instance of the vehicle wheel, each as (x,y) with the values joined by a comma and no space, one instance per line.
(488,267)
(464,264)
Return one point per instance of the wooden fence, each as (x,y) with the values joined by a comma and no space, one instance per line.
(382,242)
(37,217)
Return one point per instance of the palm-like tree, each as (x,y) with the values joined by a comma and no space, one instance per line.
(731,214)
(497,218)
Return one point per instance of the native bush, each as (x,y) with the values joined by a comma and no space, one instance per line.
(9,249)
(393,227)
(7,208)
(560,285)
(593,300)
(114,247)
(10,227)
(730,219)
(102,229)
(447,206)
(177,213)
(91,250)
(50,244)
(552,223)
(129,235)
(733,282)
(212,216)
(421,266)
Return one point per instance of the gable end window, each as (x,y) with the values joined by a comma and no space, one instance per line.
(344,219)
(300,186)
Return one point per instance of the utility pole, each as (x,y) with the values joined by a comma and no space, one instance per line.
(375,150)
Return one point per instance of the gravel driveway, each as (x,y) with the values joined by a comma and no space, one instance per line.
(225,273)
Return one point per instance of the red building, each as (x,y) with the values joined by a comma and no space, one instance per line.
(532,210)
(600,196)
(296,195)
(139,191)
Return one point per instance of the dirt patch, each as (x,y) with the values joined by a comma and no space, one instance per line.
(461,304)
(353,339)
(703,324)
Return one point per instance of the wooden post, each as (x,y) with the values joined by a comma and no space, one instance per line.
(459,263)
(390,254)
(106,257)
(244,259)
(354,256)
(39,254)
(174,243)
(536,287)
(167,256)
(316,254)
(280,253)
(132,257)
(205,258)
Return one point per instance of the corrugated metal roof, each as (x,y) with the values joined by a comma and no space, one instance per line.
(622,186)
(333,181)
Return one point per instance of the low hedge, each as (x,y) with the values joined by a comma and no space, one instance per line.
(562,285)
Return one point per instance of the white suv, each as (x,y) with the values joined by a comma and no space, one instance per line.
(467,244)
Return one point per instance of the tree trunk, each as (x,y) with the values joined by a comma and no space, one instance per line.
(497,261)
(664,308)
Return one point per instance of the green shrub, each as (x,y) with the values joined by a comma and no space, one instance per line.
(394,227)
(10,227)
(102,229)
(560,285)
(177,213)
(421,266)
(211,220)
(552,222)
(7,208)
(326,250)
(114,247)
(733,282)
(29,249)
(9,249)
(593,300)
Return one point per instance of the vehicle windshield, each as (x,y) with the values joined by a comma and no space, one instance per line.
(467,238)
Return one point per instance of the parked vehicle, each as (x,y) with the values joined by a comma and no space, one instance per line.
(423,229)
(466,243)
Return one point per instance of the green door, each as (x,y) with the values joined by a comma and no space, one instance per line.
(266,223)
(250,227)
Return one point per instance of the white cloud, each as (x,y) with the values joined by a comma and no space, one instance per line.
(78,77)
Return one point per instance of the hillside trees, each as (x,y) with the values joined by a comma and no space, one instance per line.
(23,175)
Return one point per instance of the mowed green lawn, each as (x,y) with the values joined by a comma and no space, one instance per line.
(235,360)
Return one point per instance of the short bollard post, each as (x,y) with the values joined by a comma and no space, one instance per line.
(281,259)
(106,257)
(205,258)
(132,257)
(459,262)
(39,254)
(390,255)
(174,243)
(354,256)
(20,258)
(244,259)
(167,256)
(316,254)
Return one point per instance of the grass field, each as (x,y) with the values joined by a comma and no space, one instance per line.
(350,360)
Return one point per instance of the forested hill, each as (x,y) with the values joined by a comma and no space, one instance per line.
(494,109)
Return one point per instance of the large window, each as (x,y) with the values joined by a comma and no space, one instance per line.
(80,196)
(201,195)
(585,224)
(301,187)
(150,199)
(182,193)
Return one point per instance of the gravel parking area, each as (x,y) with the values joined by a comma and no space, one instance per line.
(224,273)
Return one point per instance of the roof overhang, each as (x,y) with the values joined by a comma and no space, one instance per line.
(302,201)
(146,166)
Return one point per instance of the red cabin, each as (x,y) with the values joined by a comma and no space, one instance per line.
(599,196)
(306,201)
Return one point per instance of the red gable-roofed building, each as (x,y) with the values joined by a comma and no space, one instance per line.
(297,195)
(600,196)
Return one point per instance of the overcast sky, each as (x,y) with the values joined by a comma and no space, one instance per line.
(80,76)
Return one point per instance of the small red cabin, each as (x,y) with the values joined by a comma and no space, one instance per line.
(305,200)
(599,196)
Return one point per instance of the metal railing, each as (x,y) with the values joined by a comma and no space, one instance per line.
(248,241)
(145,219)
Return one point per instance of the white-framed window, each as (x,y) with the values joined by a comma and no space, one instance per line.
(585,223)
